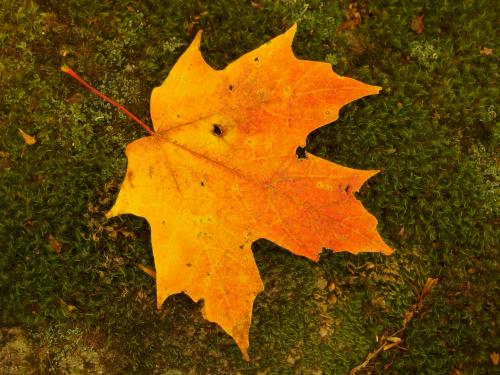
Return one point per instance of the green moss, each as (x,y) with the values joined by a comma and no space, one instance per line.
(433,131)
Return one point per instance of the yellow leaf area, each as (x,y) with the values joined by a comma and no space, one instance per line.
(221,172)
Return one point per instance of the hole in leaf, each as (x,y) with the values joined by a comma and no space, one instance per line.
(217,130)
(301,152)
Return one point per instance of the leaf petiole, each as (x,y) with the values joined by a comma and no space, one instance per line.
(70,72)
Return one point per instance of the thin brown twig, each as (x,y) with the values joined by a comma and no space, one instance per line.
(393,340)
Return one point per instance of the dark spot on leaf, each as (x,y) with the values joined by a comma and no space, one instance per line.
(301,152)
(188,264)
(231,87)
(202,183)
(178,115)
(217,130)
(130,177)
(151,170)
(163,222)
(256,59)
(347,189)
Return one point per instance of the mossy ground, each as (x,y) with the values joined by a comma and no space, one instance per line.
(433,131)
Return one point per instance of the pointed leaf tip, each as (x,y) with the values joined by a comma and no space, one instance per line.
(290,33)
(293,28)
(197,39)
(246,357)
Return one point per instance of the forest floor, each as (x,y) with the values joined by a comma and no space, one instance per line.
(73,301)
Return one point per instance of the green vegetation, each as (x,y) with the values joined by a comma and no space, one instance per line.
(433,132)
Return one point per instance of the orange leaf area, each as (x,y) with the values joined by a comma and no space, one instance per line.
(221,172)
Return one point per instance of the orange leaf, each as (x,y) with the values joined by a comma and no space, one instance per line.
(417,23)
(485,51)
(390,346)
(495,358)
(54,244)
(221,171)
(147,270)
(28,139)
(429,283)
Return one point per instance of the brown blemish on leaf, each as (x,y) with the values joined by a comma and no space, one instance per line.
(130,178)
(217,130)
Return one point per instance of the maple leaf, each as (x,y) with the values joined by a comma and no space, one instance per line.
(221,171)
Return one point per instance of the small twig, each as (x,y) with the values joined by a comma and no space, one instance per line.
(70,72)
(391,341)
